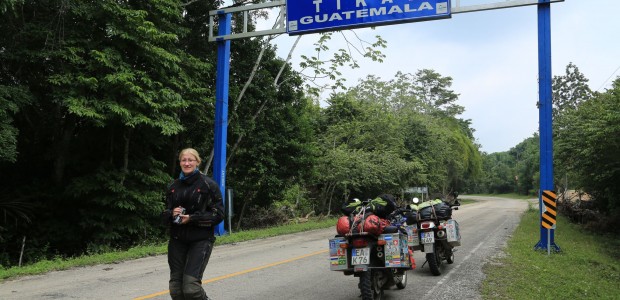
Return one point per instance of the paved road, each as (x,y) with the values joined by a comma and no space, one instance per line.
(287,267)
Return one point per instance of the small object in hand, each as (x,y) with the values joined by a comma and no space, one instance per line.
(177,219)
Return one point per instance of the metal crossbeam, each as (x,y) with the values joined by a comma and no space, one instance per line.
(280,25)
(278,28)
(457,8)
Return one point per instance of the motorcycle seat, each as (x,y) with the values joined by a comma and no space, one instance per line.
(390,229)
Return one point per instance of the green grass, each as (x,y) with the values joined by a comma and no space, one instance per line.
(588,266)
(150,250)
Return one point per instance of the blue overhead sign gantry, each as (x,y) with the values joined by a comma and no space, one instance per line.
(307,16)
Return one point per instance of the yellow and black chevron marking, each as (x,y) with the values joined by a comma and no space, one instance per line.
(548,217)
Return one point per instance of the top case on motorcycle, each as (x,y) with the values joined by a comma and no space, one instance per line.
(436,209)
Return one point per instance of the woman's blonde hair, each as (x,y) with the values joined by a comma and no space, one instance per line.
(191,151)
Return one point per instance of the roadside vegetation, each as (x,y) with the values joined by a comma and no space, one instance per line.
(588,266)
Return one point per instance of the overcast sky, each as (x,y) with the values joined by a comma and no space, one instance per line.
(492,57)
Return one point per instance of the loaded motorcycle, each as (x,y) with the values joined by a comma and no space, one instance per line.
(372,250)
(435,232)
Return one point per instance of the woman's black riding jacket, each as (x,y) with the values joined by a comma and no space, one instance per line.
(202,199)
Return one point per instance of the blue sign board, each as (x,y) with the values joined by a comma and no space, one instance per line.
(307,16)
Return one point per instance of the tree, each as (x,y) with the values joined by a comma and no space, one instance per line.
(512,171)
(424,112)
(526,156)
(11,100)
(8,5)
(569,90)
(499,176)
(589,146)
(321,67)
(383,122)
(433,90)
(96,89)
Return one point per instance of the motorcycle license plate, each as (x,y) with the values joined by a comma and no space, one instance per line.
(428,237)
(360,256)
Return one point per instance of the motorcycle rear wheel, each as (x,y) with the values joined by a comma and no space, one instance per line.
(367,287)
(434,261)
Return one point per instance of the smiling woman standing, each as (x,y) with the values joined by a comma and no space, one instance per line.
(193,209)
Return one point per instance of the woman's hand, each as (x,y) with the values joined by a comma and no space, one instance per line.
(178,211)
(184,219)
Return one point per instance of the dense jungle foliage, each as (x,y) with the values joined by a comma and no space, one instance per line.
(586,144)
(98,97)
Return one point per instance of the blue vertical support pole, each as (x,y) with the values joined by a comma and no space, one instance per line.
(221,109)
(545,119)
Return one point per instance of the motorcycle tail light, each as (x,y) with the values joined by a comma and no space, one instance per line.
(440,227)
(360,243)
(426,225)
(381,242)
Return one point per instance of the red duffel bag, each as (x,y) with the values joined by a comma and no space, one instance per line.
(343,225)
(372,224)
(375,225)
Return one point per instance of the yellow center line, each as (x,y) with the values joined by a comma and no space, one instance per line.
(238,273)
